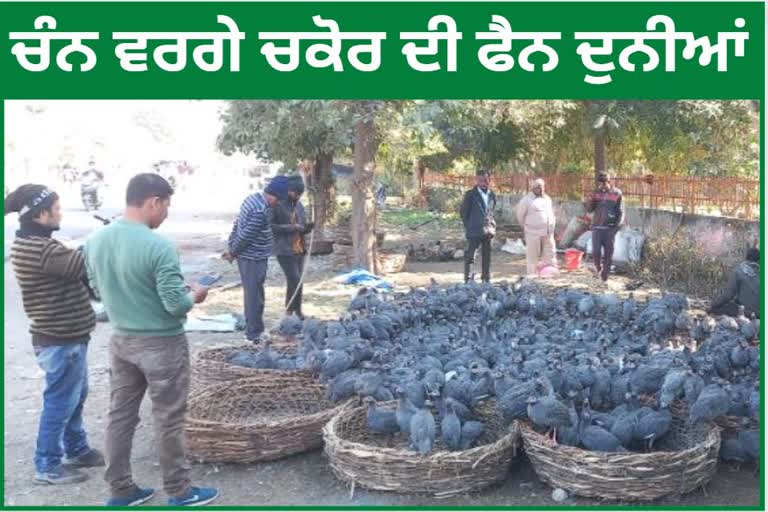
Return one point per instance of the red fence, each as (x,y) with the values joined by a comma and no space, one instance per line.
(732,197)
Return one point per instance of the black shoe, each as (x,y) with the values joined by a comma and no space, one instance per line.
(60,476)
(93,458)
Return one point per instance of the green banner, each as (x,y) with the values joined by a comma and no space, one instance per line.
(382,50)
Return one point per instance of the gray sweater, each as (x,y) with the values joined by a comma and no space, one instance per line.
(743,286)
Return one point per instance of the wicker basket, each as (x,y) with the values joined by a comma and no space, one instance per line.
(211,367)
(384,463)
(729,424)
(250,421)
(686,460)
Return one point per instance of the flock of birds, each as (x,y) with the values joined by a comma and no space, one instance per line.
(590,370)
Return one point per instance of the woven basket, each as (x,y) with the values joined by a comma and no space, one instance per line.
(211,367)
(384,463)
(686,460)
(249,421)
(729,424)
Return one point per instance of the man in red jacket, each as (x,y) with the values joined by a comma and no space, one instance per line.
(607,207)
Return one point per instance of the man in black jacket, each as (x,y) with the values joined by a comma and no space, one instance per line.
(607,208)
(289,225)
(742,289)
(479,227)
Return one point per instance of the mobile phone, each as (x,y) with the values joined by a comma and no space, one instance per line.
(209,280)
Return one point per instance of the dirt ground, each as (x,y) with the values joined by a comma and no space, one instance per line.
(299,480)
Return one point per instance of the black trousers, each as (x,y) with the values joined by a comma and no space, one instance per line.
(253,273)
(602,250)
(292,267)
(473,244)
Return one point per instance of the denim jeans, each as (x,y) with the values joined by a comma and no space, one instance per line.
(66,388)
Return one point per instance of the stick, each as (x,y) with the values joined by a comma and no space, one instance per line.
(417,226)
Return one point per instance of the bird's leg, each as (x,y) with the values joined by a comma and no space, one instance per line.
(551,437)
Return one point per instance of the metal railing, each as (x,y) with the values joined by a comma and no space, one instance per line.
(731,197)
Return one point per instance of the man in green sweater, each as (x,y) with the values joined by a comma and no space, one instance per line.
(137,275)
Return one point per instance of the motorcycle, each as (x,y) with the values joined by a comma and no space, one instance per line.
(89,193)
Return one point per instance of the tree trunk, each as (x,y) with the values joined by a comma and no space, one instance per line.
(363,203)
(599,152)
(418,182)
(325,190)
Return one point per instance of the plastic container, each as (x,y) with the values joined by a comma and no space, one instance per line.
(573,259)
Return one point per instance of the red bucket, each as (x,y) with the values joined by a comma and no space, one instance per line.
(573,259)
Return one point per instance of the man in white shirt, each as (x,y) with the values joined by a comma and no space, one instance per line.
(537,217)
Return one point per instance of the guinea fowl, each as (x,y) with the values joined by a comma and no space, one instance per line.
(652,426)
(291,325)
(368,383)
(569,436)
(732,450)
(246,359)
(597,438)
(470,433)
(451,346)
(750,330)
(600,392)
(628,308)
(672,387)
(713,401)
(754,404)
(750,442)
(647,379)
(739,355)
(625,422)
(548,412)
(450,429)
(343,385)
(422,430)
(462,411)
(404,411)
(586,305)
(692,387)
(336,362)
(380,421)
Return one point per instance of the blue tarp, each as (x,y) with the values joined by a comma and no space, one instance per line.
(365,278)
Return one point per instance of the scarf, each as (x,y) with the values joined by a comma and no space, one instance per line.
(298,240)
(30,228)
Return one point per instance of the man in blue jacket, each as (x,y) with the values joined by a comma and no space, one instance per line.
(250,243)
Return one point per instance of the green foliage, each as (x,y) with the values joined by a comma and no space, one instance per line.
(696,138)
(286,130)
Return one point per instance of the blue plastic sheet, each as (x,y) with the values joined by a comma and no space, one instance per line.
(365,278)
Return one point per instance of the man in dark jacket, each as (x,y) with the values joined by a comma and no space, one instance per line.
(742,289)
(479,227)
(289,225)
(607,207)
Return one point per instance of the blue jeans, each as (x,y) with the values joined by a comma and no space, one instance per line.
(66,388)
